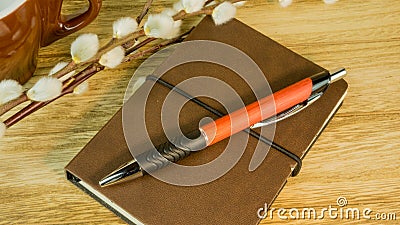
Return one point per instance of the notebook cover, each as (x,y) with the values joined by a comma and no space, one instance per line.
(235,197)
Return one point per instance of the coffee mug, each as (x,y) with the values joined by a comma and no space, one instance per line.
(27,25)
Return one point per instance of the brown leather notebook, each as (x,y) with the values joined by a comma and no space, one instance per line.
(235,197)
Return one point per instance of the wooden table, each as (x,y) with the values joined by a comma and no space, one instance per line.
(357,156)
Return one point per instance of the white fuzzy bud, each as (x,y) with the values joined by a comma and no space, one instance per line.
(169,12)
(211,3)
(84,47)
(113,58)
(330,1)
(239,4)
(47,88)
(59,66)
(285,3)
(3,129)
(124,26)
(223,13)
(161,26)
(9,90)
(178,6)
(193,5)
(82,88)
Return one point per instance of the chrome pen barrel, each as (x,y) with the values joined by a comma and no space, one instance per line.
(337,75)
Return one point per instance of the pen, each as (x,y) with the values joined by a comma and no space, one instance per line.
(281,104)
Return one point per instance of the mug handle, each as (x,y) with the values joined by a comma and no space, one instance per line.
(63,25)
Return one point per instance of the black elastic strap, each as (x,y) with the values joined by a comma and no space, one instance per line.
(254,134)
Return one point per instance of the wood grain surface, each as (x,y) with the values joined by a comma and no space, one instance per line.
(357,156)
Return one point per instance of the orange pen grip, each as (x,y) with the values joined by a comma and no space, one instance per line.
(257,111)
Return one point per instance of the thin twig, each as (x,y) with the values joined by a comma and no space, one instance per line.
(155,48)
(119,42)
(29,109)
(144,11)
(110,43)
(82,76)
(64,71)
(10,105)
(139,45)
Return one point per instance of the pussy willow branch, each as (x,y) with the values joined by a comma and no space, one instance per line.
(129,50)
(10,105)
(140,33)
(127,43)
(72,84)
(139,19)
(144,11)
(155,48)
(72,66)
(78,79)
(34,106)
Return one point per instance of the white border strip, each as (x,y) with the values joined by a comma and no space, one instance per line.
(110,203)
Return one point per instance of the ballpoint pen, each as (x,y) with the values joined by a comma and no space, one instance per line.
(270,109)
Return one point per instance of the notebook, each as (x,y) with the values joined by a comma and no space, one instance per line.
(235,197)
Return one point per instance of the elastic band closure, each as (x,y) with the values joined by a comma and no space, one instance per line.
(216,112)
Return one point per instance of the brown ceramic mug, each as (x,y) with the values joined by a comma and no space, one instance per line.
(27,25)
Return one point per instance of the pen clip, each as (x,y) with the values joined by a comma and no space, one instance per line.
(287,113)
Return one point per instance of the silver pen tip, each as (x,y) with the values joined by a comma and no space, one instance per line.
(128,171)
